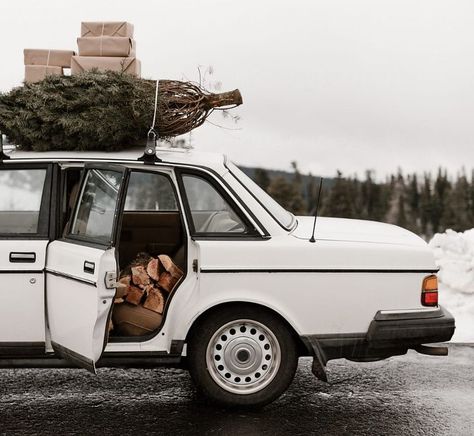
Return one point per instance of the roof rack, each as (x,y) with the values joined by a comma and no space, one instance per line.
(149,154)
(3,156)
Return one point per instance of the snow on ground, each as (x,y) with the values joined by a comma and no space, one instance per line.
(454,253)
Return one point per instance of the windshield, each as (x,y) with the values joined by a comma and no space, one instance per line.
(281,215)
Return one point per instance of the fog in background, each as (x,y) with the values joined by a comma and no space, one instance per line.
(336,84)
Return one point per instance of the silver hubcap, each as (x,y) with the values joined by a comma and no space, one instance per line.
(243,356)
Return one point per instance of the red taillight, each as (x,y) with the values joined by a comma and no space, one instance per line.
(429,298)
(429,291)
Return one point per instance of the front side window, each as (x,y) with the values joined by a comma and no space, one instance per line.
(95,214)
(210,211)
(21,193)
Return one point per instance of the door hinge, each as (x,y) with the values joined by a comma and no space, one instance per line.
(110,279)
(195,265)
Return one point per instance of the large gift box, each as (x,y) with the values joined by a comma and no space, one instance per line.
(106,46)
(129,65)
(106,28)
(36,73)
(51,58)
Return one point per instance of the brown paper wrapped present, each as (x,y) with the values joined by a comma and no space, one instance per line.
(106,46)
(106,28)
(36,73)
(80,64)
(50,58)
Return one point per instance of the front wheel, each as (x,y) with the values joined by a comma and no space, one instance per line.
(242,356)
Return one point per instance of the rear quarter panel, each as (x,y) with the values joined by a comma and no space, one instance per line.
(322,288)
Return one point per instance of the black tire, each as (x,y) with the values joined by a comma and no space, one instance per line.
(211,381)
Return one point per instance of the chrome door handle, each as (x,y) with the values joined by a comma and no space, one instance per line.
(89,267)
(20,257)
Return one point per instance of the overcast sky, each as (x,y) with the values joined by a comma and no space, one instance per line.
(335,84)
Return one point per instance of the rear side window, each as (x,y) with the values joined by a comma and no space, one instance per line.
(94,218)
(21,195)
(149,192)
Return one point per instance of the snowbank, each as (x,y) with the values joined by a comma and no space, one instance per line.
(454,253)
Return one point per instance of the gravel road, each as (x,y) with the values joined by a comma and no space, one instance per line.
(408,395)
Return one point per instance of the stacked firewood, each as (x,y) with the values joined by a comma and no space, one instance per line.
(146,282)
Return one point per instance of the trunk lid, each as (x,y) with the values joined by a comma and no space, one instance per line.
(352,230)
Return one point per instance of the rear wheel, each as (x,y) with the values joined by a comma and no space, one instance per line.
(242,356)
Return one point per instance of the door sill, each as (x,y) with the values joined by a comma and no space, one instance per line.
(108,360)
(21,349)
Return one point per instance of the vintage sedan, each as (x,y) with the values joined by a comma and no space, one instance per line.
(251,292)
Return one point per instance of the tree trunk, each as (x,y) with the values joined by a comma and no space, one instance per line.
(230,98)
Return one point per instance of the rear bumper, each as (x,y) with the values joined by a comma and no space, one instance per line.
(410,329)
(389,334)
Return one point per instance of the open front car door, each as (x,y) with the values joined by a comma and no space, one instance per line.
(81,268)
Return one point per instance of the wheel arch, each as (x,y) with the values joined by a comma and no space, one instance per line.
(302,349)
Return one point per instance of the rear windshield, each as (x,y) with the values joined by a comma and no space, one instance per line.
(281,215)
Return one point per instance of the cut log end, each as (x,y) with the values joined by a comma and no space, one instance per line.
(153,269)
(170,266)
(140,276)
(155,301)
(134,295)
(230,98)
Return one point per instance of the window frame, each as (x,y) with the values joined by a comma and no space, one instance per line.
(43,229)
(294,220)
(117,222)
(162,173)
(167,172)
(252,234)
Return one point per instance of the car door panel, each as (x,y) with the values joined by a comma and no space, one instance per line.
(22,292)
(78,301)
(78,297)
(71,260)
(25,197)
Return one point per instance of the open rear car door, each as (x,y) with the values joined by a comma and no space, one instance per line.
(81,268)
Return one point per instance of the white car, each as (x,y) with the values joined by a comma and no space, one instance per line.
(256,294)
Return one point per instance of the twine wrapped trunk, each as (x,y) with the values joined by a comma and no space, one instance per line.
(104,111)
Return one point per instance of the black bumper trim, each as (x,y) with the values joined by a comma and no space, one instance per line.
(411,330)
(424,314)
(389,334)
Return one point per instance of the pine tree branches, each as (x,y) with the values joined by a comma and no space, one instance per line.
(93,111)
(104,111)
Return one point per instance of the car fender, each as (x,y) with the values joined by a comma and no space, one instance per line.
(204,303)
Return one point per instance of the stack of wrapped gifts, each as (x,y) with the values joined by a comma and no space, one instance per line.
(40,63)
(106,46)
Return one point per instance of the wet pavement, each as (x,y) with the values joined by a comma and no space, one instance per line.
(409,395)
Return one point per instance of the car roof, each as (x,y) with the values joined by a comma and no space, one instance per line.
(214,161)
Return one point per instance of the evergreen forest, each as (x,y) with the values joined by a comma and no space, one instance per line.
(425,204)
